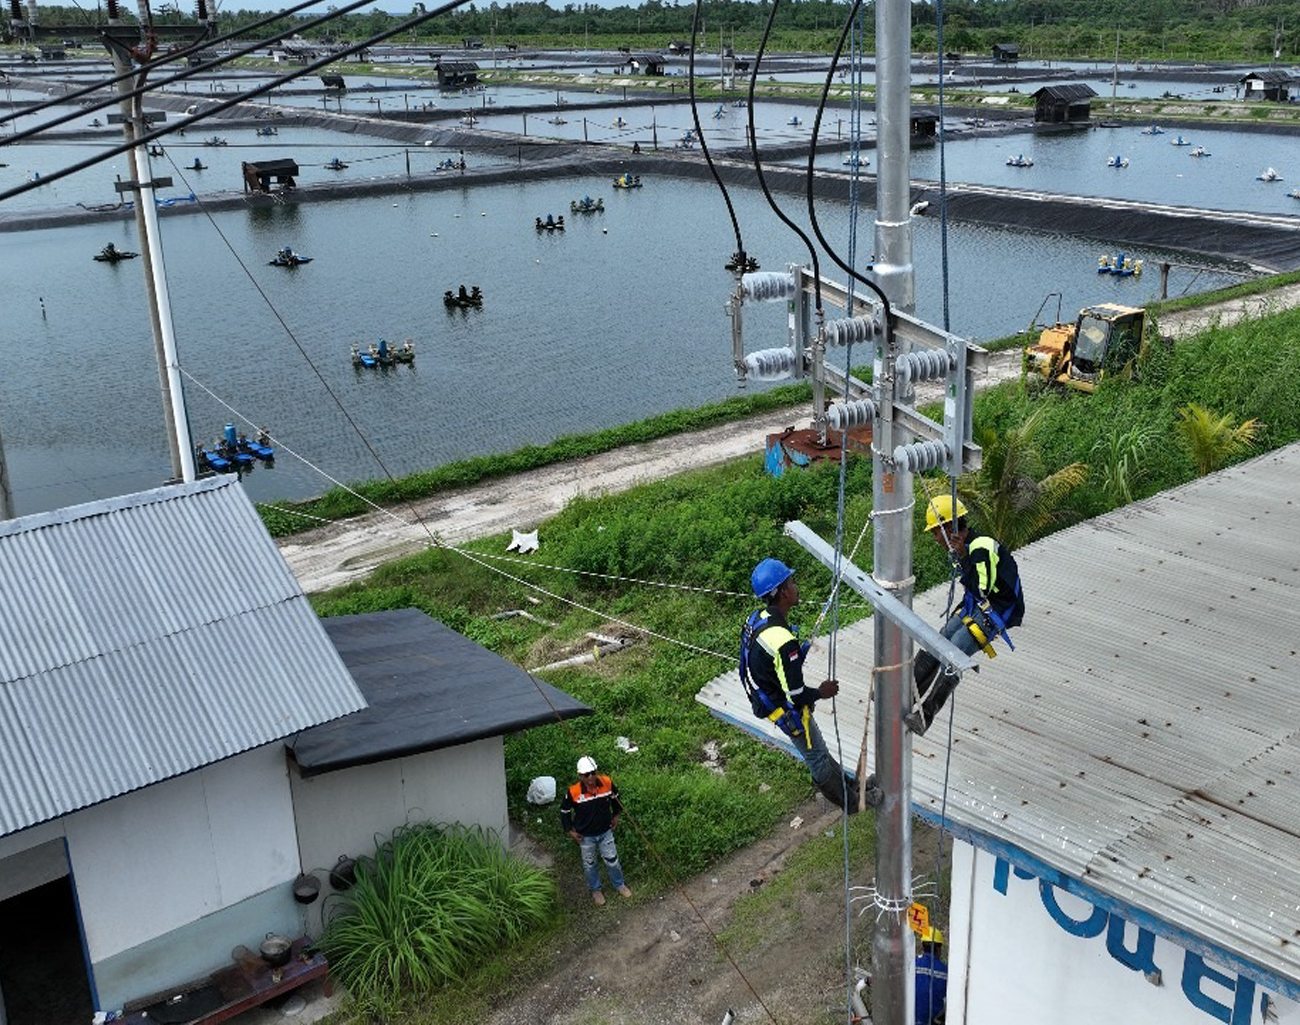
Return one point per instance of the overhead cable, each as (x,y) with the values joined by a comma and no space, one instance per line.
(149,135)
(167,58)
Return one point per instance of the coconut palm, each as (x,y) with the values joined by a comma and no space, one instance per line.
(1213,440)
(1011,496)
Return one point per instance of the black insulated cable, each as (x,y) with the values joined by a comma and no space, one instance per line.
(812,155)
(275,83)
(171,55)
(758,164)
(740,263)
(140,90)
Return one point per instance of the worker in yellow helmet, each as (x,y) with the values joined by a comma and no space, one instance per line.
(931,978)
(992,604)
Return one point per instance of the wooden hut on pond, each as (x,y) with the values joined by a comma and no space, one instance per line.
(1006,53)
(262,175)
(1273,84)
(456,74)
(1064,104)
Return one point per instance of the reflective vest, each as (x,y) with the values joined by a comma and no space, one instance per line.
(771,637)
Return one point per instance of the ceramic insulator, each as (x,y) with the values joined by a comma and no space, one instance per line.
(762,286)
(770,364)
(921,456)
(923,365)
(853,330)
(844,415)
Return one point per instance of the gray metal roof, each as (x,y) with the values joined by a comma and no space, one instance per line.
(1273,76)
(1070,92)
(145,636)
(1144,737)
(427,688)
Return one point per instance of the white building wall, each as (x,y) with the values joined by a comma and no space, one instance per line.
(342,812)
(152,861)
(1024,950)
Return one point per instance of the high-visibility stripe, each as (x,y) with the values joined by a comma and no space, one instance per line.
(771,639)
(604,788)
(987,572)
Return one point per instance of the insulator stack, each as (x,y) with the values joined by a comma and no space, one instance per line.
(33,15)
(202,10)
(16,10)
(770,364)
(845,415)
(765,286)
(920,456)
(853,330)
(114,12)
(923,365)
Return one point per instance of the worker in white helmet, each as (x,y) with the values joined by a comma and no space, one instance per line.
(589,813)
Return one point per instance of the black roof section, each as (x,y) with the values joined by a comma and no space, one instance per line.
(1271,75)
(427,688)
(458,67)
(1070,91)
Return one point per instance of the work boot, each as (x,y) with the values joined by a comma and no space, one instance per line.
(872,795)
(623,891)
(598,898)
(916,722)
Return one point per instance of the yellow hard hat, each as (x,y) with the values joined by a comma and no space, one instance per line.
(929,935)
(939,510)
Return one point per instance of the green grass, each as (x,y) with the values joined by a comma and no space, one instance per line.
(285,518)
(1253,287)
(425,910)
(706,529)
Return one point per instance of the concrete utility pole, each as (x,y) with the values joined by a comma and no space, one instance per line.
(142,186)
(6,495)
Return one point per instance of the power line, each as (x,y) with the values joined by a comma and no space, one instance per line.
(157,133)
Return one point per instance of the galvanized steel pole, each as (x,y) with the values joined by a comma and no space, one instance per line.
(892,945)
(893,263)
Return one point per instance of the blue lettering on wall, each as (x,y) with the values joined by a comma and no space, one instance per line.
(1195,969)
(1142,957)
(1089,927)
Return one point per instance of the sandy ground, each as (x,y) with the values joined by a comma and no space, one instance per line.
(341,552)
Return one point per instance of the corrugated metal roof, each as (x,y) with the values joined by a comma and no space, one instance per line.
(1070,92)
(1144,737)
(145,636)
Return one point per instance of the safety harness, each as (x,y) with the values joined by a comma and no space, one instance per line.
(791,721)
(987,577)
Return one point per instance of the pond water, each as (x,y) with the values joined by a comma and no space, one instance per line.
(617,318)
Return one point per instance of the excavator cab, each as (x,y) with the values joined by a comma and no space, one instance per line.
(1103,340)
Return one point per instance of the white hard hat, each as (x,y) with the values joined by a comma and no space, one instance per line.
(586,764)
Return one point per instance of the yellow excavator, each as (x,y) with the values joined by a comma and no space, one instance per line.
(1104,339)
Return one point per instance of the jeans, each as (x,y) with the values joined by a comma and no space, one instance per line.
(827,775)
(927,669)
(604,843)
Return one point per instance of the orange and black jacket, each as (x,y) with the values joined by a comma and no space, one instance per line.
(590,812)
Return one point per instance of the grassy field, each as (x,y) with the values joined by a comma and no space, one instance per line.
(706,529)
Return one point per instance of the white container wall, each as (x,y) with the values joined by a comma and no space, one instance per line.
(1023,949)
(343,812)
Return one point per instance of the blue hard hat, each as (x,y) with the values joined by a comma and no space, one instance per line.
(768,575)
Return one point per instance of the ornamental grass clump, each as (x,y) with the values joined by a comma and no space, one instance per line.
(422,910)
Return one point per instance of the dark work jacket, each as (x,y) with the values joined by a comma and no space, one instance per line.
(989,572)
(591,812)
(776,664)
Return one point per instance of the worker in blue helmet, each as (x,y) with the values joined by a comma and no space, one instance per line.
(771,671)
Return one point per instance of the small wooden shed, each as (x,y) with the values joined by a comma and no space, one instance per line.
(456,74)
(1062,104)
(1273,84)
(1006,53)
(924,124)
(259,176)
(647,63)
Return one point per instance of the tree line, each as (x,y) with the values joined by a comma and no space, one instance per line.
(1147,30)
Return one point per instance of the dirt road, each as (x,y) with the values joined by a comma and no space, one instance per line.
(347,550)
